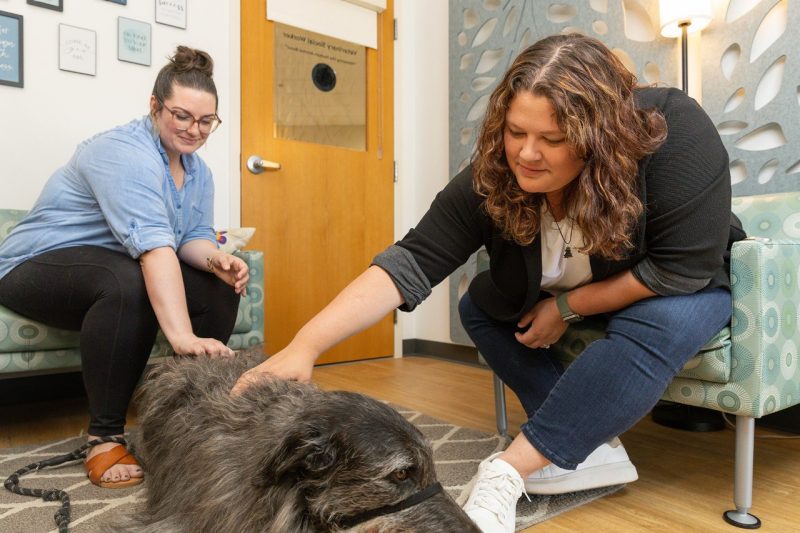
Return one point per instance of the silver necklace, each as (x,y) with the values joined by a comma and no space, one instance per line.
(567,247)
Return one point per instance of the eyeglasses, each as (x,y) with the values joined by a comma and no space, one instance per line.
(183,120)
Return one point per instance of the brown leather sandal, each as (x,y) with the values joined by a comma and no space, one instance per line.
(97,466)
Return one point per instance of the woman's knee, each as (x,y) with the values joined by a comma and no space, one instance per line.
(123,299)
(124,282)
(227,300)
(216,295)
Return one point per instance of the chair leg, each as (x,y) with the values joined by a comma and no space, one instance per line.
(743,476)
(500,406)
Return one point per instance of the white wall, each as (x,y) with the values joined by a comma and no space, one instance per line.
(41,124)
(421,142)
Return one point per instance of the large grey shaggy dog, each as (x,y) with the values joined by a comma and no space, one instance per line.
(281,457)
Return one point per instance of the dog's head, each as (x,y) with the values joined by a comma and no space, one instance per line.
(350,455)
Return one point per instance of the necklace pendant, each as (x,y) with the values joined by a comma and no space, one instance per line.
(567,252)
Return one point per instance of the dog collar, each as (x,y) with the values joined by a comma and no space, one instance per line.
(411,501)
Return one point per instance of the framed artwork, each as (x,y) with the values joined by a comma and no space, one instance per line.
(57,5)
(133,41)
(77,49)
(11,58)
(121,2)
(171,13)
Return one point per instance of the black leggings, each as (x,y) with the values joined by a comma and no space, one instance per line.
(101,293)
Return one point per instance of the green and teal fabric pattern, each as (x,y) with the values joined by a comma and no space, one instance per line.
(29,347)
(765,373)
(771,216)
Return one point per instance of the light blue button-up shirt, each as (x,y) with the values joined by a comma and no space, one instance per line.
(116,192)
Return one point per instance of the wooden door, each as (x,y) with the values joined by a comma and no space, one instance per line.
(327,211)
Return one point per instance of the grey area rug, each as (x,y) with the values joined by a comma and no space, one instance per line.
(457,452)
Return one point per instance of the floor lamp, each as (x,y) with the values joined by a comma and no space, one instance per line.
(678,19)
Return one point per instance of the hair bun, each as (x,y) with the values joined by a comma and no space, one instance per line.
(187,59)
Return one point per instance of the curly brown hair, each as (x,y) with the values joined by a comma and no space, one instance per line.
(593,96)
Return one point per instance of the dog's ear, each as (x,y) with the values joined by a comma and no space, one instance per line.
(308,452)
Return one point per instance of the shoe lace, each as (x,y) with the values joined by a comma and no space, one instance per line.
(496,492)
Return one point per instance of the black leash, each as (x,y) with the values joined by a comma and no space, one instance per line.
(63,515)
(411,501)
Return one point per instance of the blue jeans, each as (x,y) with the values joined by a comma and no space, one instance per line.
(613,383)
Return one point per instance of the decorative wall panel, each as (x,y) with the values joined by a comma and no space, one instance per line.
(751,90)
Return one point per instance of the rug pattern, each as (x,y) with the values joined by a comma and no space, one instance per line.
(457,453)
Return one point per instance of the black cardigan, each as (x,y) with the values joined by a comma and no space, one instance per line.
(685,228)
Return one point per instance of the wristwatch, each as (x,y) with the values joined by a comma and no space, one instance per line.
(567,314)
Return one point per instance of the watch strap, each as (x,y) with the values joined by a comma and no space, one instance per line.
(567,314)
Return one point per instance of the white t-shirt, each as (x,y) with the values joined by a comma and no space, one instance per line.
(561,273)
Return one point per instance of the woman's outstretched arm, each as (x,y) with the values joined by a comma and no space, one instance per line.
(365,301)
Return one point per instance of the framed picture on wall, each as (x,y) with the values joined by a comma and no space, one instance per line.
(57,5)
(121,2)
(77,49)
(11,58)
(133,41)
(171,13)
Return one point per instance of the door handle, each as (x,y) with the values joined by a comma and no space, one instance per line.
(256,165)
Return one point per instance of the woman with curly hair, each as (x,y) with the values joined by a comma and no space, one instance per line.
(592,196)
(134,249)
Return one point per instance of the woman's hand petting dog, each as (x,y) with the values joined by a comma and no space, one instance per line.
(197,346)
(290,364)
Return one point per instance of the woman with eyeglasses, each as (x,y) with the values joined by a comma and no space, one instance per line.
(120,243)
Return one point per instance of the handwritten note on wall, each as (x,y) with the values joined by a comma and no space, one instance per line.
(77,49)
(134,41)
(171,13)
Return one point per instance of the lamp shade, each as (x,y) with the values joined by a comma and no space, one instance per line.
(673,13)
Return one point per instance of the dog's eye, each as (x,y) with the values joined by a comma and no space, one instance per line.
(401,475)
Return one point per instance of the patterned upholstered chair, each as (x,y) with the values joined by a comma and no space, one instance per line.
(752,367)
(28,347)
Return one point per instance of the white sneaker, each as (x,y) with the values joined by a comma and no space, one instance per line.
(607,465)
(492,502)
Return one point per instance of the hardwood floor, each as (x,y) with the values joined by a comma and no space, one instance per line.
(685,479)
